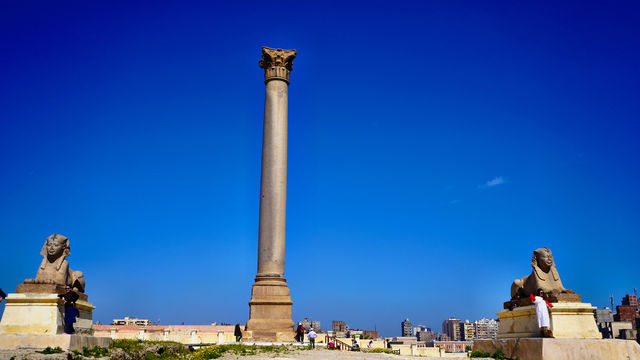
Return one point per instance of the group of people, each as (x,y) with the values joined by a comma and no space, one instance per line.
(312,335)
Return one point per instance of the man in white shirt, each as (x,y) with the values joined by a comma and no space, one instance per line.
(312,338)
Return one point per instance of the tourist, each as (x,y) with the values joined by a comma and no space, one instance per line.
(300,333)
(238,332)
(370,346)
(2,295)
(70,310)
(542,313)
(312,338)
(354,345)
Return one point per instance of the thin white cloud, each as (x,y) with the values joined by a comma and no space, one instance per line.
(493,182)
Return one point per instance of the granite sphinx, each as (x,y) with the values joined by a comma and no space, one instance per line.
(54,268)
(544,276)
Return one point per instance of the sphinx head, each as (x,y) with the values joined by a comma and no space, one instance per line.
(56,246)
(543,259)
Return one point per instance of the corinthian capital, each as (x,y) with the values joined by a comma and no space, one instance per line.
(277,63)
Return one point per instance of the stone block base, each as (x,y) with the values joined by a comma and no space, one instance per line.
(64,341)
(46,289)
(569,320)
(268,336)
(270,311)
(42,314)
(565,297)
(562,349)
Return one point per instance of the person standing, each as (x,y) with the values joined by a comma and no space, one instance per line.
(238,332)
(70,311)
(542,313)
(300,333)
(312,338)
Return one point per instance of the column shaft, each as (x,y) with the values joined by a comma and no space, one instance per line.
(273,182)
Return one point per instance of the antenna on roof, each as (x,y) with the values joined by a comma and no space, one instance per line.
(611,299)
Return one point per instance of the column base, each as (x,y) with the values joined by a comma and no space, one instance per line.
(270,310)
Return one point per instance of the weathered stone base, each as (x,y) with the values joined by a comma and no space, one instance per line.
(270,311)
(569,320)
(42,314)
(46,289)
(563,297)
(562,349)
(64,341)
(259,336)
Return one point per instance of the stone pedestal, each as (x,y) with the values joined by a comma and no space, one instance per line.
(568,320)
(42,314)
(562,349)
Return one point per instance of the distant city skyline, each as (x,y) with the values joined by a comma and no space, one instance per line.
(452,138)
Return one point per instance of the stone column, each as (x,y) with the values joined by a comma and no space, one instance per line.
(270,305)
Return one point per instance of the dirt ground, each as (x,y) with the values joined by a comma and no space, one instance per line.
(318,354)
(321,354)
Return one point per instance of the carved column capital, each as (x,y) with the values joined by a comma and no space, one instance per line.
(277,63)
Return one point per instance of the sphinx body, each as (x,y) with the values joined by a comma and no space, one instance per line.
(54,268)
(544,276)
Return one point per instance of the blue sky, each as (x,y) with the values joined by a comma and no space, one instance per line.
(432,147)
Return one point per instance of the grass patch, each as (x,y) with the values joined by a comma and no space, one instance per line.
(147,350)
(498,355)
(49,350)
(216,351)
(480,354)
(95,352)
(384,351)
(123,349)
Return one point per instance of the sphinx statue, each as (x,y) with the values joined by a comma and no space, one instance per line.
(544,276)
(54,268)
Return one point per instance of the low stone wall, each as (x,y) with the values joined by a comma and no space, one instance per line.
(185,334)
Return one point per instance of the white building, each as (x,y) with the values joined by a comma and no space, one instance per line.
(131,321)
(486,328)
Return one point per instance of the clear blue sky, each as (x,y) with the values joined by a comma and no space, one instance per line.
(432,148)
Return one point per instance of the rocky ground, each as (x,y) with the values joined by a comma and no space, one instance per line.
(318,354)
(33,355)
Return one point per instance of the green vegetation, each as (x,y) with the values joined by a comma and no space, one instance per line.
(480,354)
(95,352)
(498,355)
(168,350)
(379,350)
(129,345)
(48,350)
(216,351)
(122,349)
